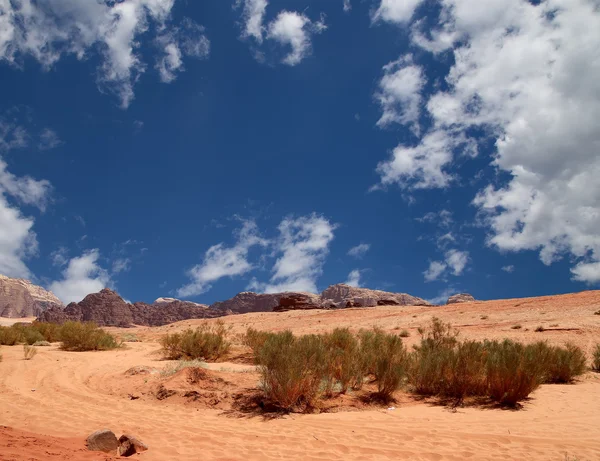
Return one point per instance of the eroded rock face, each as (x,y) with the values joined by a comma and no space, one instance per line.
(298,301)
(248,301)
(347,296)
(21,298)
(130,445)
(461,298)
(103,440)
(107,308)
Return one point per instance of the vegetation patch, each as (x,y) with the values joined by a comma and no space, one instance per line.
(207,342)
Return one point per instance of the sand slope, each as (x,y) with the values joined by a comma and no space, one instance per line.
(61,394)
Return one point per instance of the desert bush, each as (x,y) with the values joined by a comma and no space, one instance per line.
(77,336)
(464,371)
(255,339)
(387,360)
(596,358)
(404,334)
(513,371)
(430,361)
(171,369)
(29,352)
(50,331)
(292,369)
(10,336)
(41,343)
(342,360)
(130,338)
(565,364)
(208,342)
(539,329)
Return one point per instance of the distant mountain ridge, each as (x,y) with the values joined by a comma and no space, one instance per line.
(21,298)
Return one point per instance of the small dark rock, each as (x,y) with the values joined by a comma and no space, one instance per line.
(130,445)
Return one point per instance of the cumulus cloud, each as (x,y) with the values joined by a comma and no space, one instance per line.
(302,246)
(353,278)
(525,73)
(46,30)
(253,16)
(399,93)
(18,241)
(396,11)
(359,250)
(82,276)
(454,263)
(295,30)
(223,261)
(508,269)
(347,6)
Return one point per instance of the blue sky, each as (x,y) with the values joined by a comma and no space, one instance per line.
(199,149)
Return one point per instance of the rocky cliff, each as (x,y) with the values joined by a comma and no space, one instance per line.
(461,298)
(107,308)
(247,301)
(21,298)
(344,295)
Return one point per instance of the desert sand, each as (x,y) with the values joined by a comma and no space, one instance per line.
(49,404)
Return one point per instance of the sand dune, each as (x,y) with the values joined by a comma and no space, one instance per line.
(53,401)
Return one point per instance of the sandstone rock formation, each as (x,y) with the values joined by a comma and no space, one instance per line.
(107,308)
(103,440)
(346,296)
(298,301)
(461,298)
(21,298)
(247,301)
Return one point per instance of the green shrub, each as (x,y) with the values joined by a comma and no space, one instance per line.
(428,369)
(464,371)
(292,369)
(596,358)
(77,336)
(565,364)
(255,339)
(29,352)
(513,371)
(343,361)
(208,342)
(390,362)
(9,336)
(50,331)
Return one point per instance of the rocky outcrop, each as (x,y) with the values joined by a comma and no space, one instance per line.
(103,440)
(346,296)
(248,301)
(461,298)
(107,308)
(130,445)
(298,301)
(21,298)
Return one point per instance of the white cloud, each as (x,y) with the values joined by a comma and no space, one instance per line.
(18,241)
(442,298)
(588,272)
(353,278)
(508,269)
(48,139)
(457,261)
(399,93)
(294,30)
(396,11)
(253,16)
(46,30)
(359,250)
(442,218)
(82,276)
(188,40)
(454,262)
(12,135)
(121,265)
(60,256)
(347,6)
(435,270)
(525,73)
(303,245)
(222,261)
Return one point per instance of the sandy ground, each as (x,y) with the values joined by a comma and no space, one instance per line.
(53,401)
(6,322)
